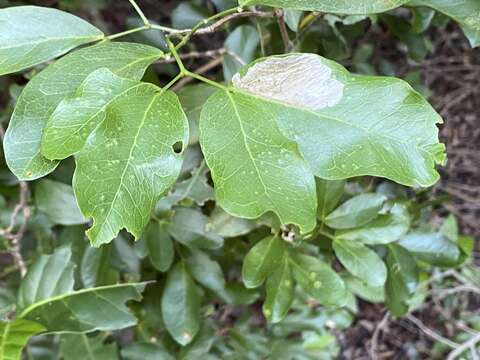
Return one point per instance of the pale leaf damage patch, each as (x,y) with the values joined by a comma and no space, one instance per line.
(299,80)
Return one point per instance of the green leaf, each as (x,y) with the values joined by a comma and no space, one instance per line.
(130,161)
(334,6)
(47,277)
(384,229)
(422,18)
(58,202)
(433,248)
(368,293)
(254,167)
(361,261)
(190,227)
(82,347)
(242,44)
(206,271)
(196,187)
(292,18)
(145,351)
(229,226)
(160,246)
(31,35)
(187,15)
(14,336)
(449,228)
(193,98)
(465,12)
(345,125)
(402,279)
(86,310)
(46,90)
(329,194)
(77,116)
(318,280)
(262,260)
(356,211)
(181,305)
(95,267)
(280,292)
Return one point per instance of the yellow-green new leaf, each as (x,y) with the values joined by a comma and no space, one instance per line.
(30,35)
(345,125)
(331,6)
(255,168)
(46,90)
(14,336)
(129,161)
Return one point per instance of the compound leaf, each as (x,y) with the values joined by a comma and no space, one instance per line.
(30,35)
(333,6)
(46,90)
(129,161)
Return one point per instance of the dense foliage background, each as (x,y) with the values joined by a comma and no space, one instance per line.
(195,304)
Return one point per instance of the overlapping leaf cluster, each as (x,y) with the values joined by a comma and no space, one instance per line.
(225,187)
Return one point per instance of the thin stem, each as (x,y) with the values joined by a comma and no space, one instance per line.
(128,32)
(173,81)
(169,29)
(174,52)
(140,13)
(324,233)
(287,43)
(206,80)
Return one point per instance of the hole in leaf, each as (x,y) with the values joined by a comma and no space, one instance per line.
(178,147)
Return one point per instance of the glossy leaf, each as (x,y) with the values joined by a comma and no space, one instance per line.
(30,35)
(14,336)
(318,280)
(83,347)
(384,229)
(254,167)
(361,261)
(191,228)
(58,202)
(262,260)
(433,248)
(229,226)
(95,267)
(345,125)
(368,293)
(356,211)
(101,308)
(329,194)
(46,90)
(280,292)
(402,279)
(465,12)
(333,6)
(129,161)
(160,246)
(49,276)
(181,305)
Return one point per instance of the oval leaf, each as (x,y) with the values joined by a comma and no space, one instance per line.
(30,35)
(181,305)
(160,246)
(14,336)
(280,293)
(356,211)
(361,261)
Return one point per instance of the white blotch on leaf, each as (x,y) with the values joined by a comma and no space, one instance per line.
(299,80)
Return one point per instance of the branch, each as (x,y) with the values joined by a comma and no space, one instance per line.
(380,327)
(432,334)
(470,344)
(287,43)
(200,54)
